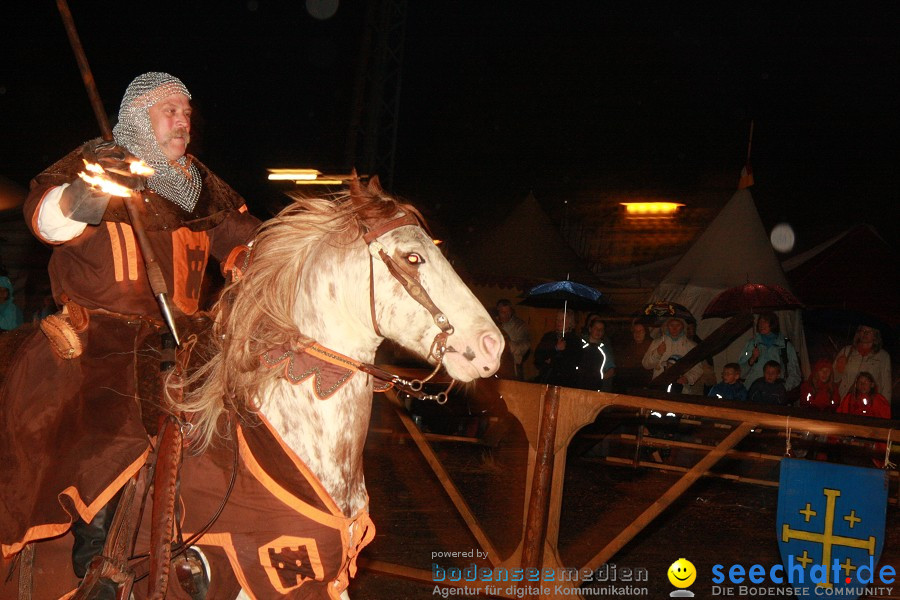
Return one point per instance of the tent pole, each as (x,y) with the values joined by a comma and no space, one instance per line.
(750,142)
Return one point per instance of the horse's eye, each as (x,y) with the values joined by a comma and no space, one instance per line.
(414,259)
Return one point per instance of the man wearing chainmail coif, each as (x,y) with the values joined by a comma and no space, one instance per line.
(80,389)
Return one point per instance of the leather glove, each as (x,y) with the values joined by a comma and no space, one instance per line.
(115,160)
(80,202)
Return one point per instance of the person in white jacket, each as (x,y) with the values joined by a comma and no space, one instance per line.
(864,354)
(669,348)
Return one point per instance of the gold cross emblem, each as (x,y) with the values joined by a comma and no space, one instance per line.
(827,537)
(808,512)
(852,519)
(847,566)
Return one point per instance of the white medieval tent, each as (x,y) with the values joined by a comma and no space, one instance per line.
(733,250)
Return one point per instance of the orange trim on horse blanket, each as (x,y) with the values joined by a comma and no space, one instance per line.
(281,531)
(70,430)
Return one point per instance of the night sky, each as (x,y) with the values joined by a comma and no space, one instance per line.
(500,98)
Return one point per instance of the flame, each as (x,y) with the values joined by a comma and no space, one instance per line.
(105,185)
(141,168)
(100,181)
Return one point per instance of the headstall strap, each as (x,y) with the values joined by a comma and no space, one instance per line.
(410,283)
(407,218)
(372,295)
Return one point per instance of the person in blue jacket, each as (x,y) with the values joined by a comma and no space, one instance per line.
(768,344)
(10,313)
(730,388)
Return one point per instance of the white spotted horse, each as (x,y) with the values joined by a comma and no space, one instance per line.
(271,485)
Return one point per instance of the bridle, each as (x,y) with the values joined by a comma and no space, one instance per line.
(409,280)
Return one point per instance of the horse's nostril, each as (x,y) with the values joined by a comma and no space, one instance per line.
(490,344)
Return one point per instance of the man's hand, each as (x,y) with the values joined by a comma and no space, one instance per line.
(115,160)
(80,202)
(754,356)
(86,204)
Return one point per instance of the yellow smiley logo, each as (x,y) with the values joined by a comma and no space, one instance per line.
(682,573)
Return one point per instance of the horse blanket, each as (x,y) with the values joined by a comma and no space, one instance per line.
(281,531)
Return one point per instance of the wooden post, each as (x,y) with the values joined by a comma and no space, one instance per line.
(539,500)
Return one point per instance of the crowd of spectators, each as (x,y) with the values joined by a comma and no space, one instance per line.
(856,380)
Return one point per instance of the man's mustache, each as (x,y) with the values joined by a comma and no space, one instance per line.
(179,132)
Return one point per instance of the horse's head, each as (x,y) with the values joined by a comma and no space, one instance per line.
(417,299)
(345,273)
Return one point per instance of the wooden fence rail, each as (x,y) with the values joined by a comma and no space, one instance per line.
(550,425)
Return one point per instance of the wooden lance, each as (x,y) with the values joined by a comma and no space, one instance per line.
(132,203)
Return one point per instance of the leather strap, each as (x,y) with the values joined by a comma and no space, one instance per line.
(165,485)
(416,291)
(110,567)
(26,571)
(372,295)
(407,218)
(170,444)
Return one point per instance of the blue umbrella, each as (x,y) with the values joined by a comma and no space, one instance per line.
(570,294)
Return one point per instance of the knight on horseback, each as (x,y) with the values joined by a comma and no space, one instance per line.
(78,403)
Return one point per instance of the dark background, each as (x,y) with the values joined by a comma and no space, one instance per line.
(500,98)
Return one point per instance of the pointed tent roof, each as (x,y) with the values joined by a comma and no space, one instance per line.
(733,250)
(525,248)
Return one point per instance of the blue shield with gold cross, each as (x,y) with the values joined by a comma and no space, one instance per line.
(831,527)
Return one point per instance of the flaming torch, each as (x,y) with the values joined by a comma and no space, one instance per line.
(95,176)
(132,197)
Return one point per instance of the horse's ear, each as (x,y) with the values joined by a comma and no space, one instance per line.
(356,192)
(375,186)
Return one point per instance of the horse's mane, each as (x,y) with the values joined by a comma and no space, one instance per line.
(255,313)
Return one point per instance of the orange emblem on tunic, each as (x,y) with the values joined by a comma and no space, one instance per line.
(190,251)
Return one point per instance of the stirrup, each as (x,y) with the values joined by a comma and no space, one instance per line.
(190,569)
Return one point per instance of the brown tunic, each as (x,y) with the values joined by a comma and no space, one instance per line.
(103,268)
(71,431)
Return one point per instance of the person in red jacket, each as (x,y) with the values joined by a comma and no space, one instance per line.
(820,391)
(864,399)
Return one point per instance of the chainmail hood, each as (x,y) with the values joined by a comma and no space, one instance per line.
(179,183)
